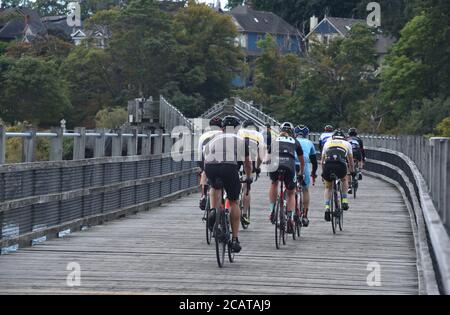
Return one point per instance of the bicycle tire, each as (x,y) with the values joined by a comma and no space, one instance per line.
(208,231)
(219,238)
(341,212)
(332,209)
(277,226)
(228,237)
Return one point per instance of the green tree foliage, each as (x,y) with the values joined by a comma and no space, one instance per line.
(31,89)
(92,82)
(335,78)
(205,58)
(111,118)
(443,128)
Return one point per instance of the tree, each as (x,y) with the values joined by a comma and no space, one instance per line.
(32,90)
(335,78)
(443,128)
(111,118)
(93,83)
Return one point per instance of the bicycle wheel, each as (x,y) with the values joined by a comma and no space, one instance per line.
(355,187)
(341,212)
(283,225)
(230,253)
(277,225)
(332,208)
(220,237)
(300,216)
(208,231)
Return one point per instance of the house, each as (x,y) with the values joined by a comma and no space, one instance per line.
(97,37)
(253,26)
(20,23)
(57,25)
(332,27)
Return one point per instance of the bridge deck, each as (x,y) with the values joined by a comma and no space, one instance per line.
(164,252)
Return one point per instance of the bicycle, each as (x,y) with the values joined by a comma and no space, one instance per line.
(280,215)
(206,219)
(336,212)
(222,229)
(241,202)
(298,211)
(354,182)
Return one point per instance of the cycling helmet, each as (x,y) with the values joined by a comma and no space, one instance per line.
(297,131)
(288,128)
(216,121)
(248,123)
(231,121)
(329,128)
(352,132)
(339,134)
(303,131)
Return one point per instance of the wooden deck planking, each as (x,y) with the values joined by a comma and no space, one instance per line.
(163,251)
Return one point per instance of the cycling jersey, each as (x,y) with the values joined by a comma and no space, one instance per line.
(255,142)
(336,150)
(287,150)
(226,148)
(357,147)
(308,150)
(324,137)
(202,142)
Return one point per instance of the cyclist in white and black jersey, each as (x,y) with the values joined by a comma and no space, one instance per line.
(215,128)
(222,155)
(324,137)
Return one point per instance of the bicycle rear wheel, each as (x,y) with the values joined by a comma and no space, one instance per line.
(220,237)
(277,225)
(341,212)
(333,209)
(208,213)
(230,252)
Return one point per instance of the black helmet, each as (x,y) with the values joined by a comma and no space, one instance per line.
(288,128)
(329,128)
(231,121)
(216,121)
(248,123)
(339,134)
(352,132)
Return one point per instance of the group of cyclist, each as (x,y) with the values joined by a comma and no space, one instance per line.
(230,149)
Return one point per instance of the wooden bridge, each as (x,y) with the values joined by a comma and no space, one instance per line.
(130,223)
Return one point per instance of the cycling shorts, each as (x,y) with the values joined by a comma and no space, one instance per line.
(290,177)
(229,174)
(333,167)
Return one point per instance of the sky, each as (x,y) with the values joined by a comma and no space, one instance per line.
(223,2)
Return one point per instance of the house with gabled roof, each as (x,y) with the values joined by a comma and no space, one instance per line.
(20,23)
(252,26)
(332,27)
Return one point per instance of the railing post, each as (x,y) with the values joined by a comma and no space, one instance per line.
(167,144)
(79,144)
(29,145)
(116,143)
(447,184)
(146,144)
(132,143)
(56,150)
(99,146)
(157,146)
(2,146)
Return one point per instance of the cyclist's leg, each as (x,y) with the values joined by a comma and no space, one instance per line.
(231,183)
(203,185)
(305,188)
(273,190)
(327,169)
(341,172)
(212,172)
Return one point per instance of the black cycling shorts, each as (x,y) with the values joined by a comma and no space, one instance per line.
(336,167)
(290,179)
(229,174)
(357,155)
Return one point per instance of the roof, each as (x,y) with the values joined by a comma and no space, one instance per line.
(343,25)
(15,27)
(251,20)
(57,23)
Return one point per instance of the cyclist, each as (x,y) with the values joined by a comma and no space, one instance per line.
(249,132)
(359,153)
(267,136)
(325,136)
(222,154)
(215,128)
(335,155)
(284,151)
(310,157)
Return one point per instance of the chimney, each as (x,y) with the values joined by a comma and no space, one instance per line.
(313,21)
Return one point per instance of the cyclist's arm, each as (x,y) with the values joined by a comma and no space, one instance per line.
(313,159)
(299,151)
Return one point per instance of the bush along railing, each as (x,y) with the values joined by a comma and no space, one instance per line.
(49,199)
